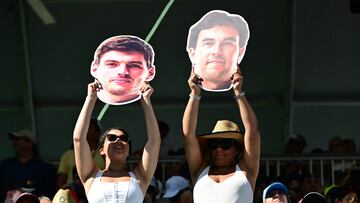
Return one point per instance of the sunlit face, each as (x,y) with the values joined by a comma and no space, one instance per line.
(223,152)
(122,73)
(216,54)
(276,196)
(116,149)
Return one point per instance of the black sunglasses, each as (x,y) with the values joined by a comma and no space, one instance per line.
(113,138)
(222,143)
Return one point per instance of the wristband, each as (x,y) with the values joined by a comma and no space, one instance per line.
(195,97)
(239,95)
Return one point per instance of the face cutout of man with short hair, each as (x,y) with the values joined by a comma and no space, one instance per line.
(216,44)
(122,64)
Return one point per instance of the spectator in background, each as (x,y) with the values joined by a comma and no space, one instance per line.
(349,146)
(336,145)
(313,197)
(26,167)
(44,199)
(261,183)
(352,178)
(310,183)
(73,192)
(341,194)
(293,183)
(27,198)
(164,131)
(164,149)
(12,195)
(291,169)
(178,190)
(67,160)
(329,193)
(295,144)
(275,192)
(154,191)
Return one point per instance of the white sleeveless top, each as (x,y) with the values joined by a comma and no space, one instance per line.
(234,189)
(115,192)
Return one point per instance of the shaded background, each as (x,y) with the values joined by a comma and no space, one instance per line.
(301,68)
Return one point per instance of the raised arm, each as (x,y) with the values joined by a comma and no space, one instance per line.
(83,158)
(251,156)
(193,153)
(147,166)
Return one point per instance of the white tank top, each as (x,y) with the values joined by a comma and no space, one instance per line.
(234,189)
(115,192)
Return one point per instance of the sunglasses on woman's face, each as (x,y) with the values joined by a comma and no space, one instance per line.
(114,138)
(222,143)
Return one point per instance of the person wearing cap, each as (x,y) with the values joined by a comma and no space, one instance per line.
(341,194)
(115,183)
(26,170)
(313,197)
(27,198)
(154,191)
(275,192)
(230,172)
(178,190)
(309,183)
(295,144)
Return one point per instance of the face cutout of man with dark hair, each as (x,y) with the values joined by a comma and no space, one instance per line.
(122,64)
(216,44)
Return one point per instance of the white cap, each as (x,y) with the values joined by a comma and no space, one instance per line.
(174,184)
(23,133)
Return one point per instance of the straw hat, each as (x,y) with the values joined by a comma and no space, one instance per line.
(224,129)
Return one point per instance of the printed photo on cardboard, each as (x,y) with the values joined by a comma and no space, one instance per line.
(122,64)
(215,45)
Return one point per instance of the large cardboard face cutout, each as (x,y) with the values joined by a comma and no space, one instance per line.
(122,64)
(216,44)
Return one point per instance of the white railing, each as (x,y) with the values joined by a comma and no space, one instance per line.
(324,166)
